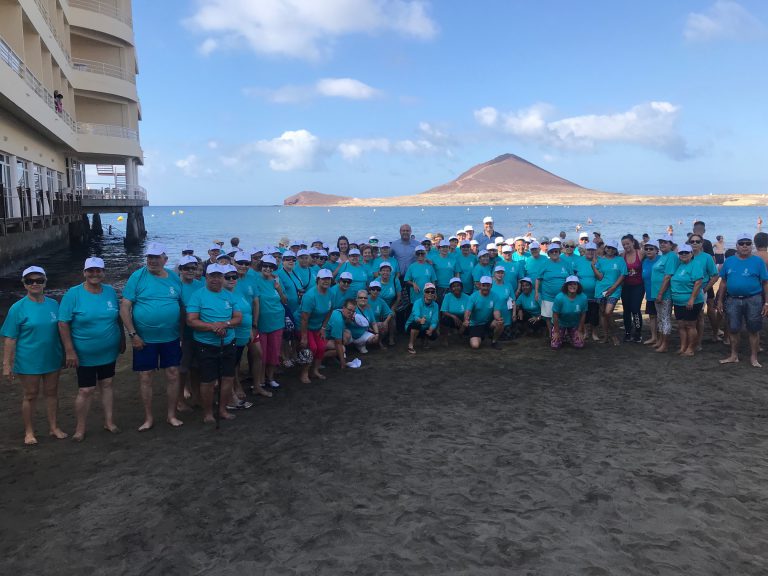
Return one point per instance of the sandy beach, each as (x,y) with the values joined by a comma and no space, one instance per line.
(605,461)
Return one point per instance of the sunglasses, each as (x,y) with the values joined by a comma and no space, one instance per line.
(362,297)
(375,289)
(230,277)
(30,281)
(744,243)
(429,291)
(649,248)
(243,262)
(345,281)
(268,267)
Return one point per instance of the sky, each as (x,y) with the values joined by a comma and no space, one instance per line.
(246,102)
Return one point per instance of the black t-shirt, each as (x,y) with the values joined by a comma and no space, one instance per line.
(706,247)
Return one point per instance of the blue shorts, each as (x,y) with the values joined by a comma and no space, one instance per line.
(747,310)
(154,356)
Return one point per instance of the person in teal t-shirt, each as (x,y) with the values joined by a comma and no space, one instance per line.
(482,268)
(534,262)
(453,307)
(188,267)
(151,312)
(569,312)
(502,291)
(445,268)
(33,350)
(687,298)
(528,309)
(483,315)
(358,272)
(465,263)
(385,318)
(424,319)
(418,274)
(610,271)
(550,282)
(213,313)
(242,290)
(583,269)
(289,282)
(316,308)
(92,335)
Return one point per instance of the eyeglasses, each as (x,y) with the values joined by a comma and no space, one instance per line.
(30,281)
(362,297)
(243,262)
(649,248)
(569,246)
(744,243)
(374,289)
(345,281)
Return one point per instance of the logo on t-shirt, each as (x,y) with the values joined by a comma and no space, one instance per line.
(53,317)
(172,290)
(109,304)
(227,305)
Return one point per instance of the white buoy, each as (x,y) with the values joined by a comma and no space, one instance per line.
(181,211)
(173,213)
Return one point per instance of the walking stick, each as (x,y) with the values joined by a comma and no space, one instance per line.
(218,382)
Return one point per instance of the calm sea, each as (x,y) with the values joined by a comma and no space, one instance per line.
(174,226)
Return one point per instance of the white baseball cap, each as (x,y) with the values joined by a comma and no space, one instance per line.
(652,243)
(354,252)
(419,248)
(584,235)
(428,285)
(507,248)
(469,228)
(324,273)
(302,252)
(188,248)
(534,245)
(572,278)
(384,264)
(684,248)
(526,279)
(490,246)
(240,256)
(345,276)
(374,284)
(473,242)
(94,262)
(488,220)
(269,260)
(454,237)
(184,260)
(214,247)
(229,268)
(216,269)
(500,269)
(482,253)
(465,243)
(486,280)
(743,236)
(33,270)
(554,246)
(498,240)
(612,244)
(454,280)
(373,240)
(590,246)
(156,249)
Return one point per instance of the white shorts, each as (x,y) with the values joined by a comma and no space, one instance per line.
(363,339)
(546,308)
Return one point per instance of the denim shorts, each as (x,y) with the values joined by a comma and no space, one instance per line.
(741,310)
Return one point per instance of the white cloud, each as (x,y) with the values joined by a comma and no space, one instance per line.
(725,19)
(190,166)
(652,124)
(213,144)
(305,28)
(326,87)
(293,150)
(354,149)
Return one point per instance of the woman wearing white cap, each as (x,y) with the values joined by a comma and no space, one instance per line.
(609,272)
(316,308)
(582,267)
(569,311)
(465,263)
(92,334)
(424,318)
(482,268)
(505,294)
(707,263)
(391,293)
(359,273)
(661,274)
(445,269)
(419,273)
(651,253)
(483,316)
(385,255)
(269,318)
(687,298)
(243,293)
(385,318)
(453,307)
(529,309)
(33,351)
(550,282)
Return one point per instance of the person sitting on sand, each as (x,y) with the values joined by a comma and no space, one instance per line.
(483,316)
(569,311)
(687,298)
(214,313)
(452,310)
(316,307)
(528,308)
(744,287)
(93,337)
(151,313)
(423,322)
(33,351)
(338,332)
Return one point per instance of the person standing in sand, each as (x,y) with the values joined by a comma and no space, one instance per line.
(403,249)
(744,279)
(92,334)
(687,298)
(33,351)
(316,307)
(151,313)
(214,313)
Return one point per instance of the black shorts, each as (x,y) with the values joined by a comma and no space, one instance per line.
(89,376)
(448,322)
(593,313)
(719,258)
(650,307)
(480,331)
(422,328)
(682,312)
(215,361)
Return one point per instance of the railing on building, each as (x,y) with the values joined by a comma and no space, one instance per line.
(107,130)
(102,68)
(52,25)
(61,203)
(17,65)
(106,8)
(95,192)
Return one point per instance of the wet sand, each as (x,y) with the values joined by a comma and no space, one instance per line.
(525,461)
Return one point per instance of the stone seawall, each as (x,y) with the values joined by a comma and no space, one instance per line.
(17,248)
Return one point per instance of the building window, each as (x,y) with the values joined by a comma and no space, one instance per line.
(5,186)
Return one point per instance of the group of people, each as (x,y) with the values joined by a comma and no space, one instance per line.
(304,303)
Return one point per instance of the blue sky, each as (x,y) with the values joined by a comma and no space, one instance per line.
(250,101)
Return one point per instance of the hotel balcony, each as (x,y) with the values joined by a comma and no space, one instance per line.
(95,76)
(104,17)
(107,140)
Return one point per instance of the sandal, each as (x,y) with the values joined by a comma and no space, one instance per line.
(411,349)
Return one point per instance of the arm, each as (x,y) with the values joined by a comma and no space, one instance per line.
(615,285)
(536,291)
(582,319)
(304,328)
(9,353)
(723,288)
(126,315)
(339,345)
(194,322)
(556,321)
(599,275)
(65,332)
(696,288)
(664,286)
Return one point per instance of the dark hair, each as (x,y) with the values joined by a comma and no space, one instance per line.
(699,223)
(635,243)
(761,240)
(564,289)
(718,237)
(339,239)
(730,252)
(350,300)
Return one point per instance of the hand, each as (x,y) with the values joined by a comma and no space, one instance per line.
(457,322)
(659,299)
(608,292)
(466,323)
(303,342)
(429,332)
(71,360)
(416,288)
(8,374)
(137,343)
(122,346)
(764,312)
(689,304)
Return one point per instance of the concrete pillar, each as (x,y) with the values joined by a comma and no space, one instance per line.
(96,228)
(130,179)
(34,170)
(46,193)
(15,200)
(132,234)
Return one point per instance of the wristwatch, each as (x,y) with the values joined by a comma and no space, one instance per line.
(132,334)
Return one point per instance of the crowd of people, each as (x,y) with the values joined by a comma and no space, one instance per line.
(305,304)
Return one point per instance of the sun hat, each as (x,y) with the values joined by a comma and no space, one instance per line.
(289,255)
(321,254)
(554,246)
(482,253)
(684,248)
(33,270)
(240,256)
(94,262)
(572,278)
(534,245)
(345,276)
(229,268)
(507,248)
(374,284)
(156,249)
(454,237)
(324,273)
(353,252)
(526,279)
(488,220)
(743,236)
(454,280)
(184,260)
(486,280)
(384,264)
(334,250)
(269,260)
(490,246)
(590,246)
(429,285)
(500,269)
(313,251)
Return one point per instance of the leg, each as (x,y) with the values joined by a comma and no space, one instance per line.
(626,314)
(754,347)
(227,383)
(254,361)
(654,331)
(608,324)
(145,389)
(556,339)
(107,402)
(172,389)
(734,357)
(714,319)
(51,391)
(391,330)
(31,384)
(206,397)
(412,334)
(82,407)
(577,338)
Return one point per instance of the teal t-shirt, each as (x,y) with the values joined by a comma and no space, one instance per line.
(338,297)
(156,305)
(380,308)
(355,329)
(479,271)
(421,310)
(527,302)
(35,327)
(683,280)
(707,265)
(360,278)
(420,274)
(93,323)
(517,257)
(455,306)
(552,277)
(244,297)
(533,266)
(391,261)
(271,311)
(502,293)
(665,265)
(583,269)
(445,269)
(569,311)
(612,269)
(464,267)
(290,285)
(213,307)
(482,308)
(390,290)
(317,306)
(513,272)
(336,326)
(187,289)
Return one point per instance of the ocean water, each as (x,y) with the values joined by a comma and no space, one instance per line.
(175,226)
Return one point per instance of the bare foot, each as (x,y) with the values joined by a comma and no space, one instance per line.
(755,363)
(730,360)
(306,380)
(209,420)
(30,440)
(78,437)
(227,416)
(687,353)
(319,376)
(662,349)
(183,407)
(596,337)
(261,392)
(650,342)
(146,426)
(175,422)
(112,428)
(615,340)
(58,433)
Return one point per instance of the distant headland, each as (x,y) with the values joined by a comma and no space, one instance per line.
(513,181)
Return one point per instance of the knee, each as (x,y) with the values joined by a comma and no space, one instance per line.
(172,372)
(86,393)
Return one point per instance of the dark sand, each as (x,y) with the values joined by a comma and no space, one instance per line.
(526,461)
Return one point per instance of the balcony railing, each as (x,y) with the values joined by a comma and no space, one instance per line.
(102,68)
(44,11)
(107,130)
(95,192)
(106,8)
(17,65)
